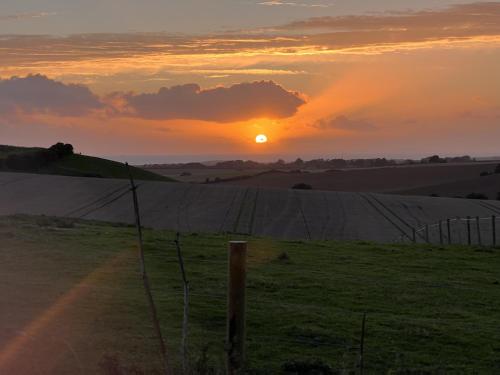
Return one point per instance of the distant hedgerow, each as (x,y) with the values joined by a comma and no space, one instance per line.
(302,186)
(34,160)
(476,196)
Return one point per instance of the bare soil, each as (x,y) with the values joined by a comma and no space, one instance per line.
(442,179)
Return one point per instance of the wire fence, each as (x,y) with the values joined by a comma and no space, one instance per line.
(468,231)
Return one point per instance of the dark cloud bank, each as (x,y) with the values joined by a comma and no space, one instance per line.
(244,101)
(239,102)
(38,94)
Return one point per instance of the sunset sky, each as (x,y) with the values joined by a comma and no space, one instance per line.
(340,78)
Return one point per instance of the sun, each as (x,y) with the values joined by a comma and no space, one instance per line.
(261,138)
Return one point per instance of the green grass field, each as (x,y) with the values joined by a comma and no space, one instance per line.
(74,290)
(85,166)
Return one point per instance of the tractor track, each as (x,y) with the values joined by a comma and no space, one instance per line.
(398,217)
(490,207)
(302,214)
(328,217)
(240,211)
(254,210)
(366,197)
(182,205)
(229,209)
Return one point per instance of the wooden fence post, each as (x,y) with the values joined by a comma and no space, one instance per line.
(448,224)
(469,238)
(236,307)
(459,231)
(478,227)
(441,232)
(185,320)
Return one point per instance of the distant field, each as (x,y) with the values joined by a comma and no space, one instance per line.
(487,185)
(420,179)
(71,294)
(201,175)
(81,165)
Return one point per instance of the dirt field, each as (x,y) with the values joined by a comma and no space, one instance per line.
(487,185)
(201,175)
(385,180)
(277,213)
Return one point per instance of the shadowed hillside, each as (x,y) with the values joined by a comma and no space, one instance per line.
(60,159)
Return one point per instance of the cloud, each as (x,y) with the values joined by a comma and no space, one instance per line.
(344,123)
(251,52)
(293,4)
(24,16)
(39,94)
(239,102)
(483,18)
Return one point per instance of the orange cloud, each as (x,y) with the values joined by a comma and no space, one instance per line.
(345,123)
(481,18)
(283,51)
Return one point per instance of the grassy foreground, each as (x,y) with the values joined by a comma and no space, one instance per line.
(71,294)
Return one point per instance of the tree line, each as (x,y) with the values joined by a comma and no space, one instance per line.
(326,164)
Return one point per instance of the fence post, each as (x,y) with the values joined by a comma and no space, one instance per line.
(478,227)
(145,278)
(441,232)
(185,320)
(459,231)
(494,229)
(236,307)
(469,239)
(448,224)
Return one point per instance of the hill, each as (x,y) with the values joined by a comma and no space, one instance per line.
(429,309)
(67,163)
